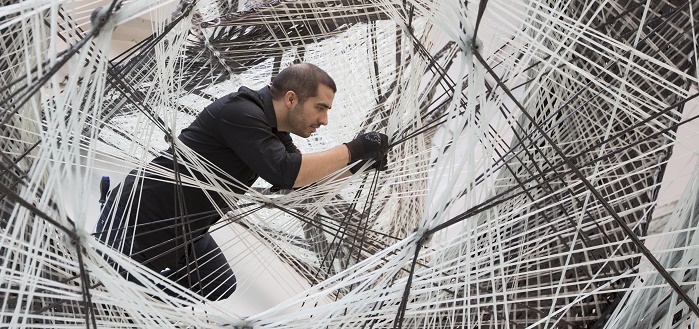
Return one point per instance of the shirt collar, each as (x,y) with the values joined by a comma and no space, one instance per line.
(267,106)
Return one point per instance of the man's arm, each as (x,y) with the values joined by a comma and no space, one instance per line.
(315,166)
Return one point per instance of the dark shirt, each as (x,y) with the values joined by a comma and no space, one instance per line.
(237,133)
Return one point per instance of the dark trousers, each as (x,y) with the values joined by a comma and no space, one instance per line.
(202,267)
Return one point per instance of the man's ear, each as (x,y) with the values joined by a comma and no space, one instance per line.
(290,98)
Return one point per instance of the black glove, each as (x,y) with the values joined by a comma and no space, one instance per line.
(371,145)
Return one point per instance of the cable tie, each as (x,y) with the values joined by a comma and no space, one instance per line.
(213,22)
(423,236)
(99,18)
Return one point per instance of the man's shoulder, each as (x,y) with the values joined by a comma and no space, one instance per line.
(241,104)
(247,94)
(244,97)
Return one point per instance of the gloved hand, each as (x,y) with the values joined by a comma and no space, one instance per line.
(371,145)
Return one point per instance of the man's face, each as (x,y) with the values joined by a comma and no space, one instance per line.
(304,118)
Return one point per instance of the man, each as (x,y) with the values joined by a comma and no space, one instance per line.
(247,135)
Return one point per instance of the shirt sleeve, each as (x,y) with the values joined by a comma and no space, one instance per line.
(285,138)
(244,129)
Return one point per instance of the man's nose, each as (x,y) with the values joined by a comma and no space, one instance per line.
(324,119)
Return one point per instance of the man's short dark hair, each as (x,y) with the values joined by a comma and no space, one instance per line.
(303,79)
